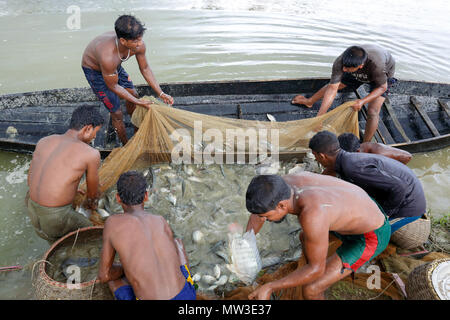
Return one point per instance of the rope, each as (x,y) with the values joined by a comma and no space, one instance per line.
(75,241)
(384,290)
(92,289)
(34,265)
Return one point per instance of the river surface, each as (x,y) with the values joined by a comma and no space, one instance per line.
(207,40)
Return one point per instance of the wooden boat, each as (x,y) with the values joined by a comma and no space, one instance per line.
(416,117)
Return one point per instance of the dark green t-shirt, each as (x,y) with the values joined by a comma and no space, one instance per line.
(380,66)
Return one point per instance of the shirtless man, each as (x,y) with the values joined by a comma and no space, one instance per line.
(350,143)
(102,66)
(392,184)
(319,203)
(59,162)
(355,66)
(150,258)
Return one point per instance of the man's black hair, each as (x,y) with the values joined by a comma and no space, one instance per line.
(349,142)
(84,116)
(131,188)
(128,27)
(325,142)
(265,192)
(354,57)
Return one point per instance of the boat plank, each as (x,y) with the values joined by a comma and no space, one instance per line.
(424,116)
(398,126)
(444,106)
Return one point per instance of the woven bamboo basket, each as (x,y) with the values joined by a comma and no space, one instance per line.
(46,288)
(420,284)
(413,234)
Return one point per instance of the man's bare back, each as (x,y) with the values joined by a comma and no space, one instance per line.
(346,207)
(59,162)
(357,214)
(327,205)
(147,252)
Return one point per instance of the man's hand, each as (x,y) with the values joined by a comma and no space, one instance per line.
(166,98)
(145,103)
(90,204)
(261,293)
(357,105)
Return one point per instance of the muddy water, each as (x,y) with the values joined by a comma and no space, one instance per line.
(191,198)
(205,40)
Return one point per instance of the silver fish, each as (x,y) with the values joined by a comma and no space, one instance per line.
(271,117)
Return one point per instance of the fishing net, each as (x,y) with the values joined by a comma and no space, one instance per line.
(396,271)
(167,134)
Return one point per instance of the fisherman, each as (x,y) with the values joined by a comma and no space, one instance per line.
(102,66)
(317,201)
(392,184)
(153,265)
(59,162)
(350,143)
(355,66)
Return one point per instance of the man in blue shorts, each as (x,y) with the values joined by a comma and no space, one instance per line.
(102,66)
(153,265)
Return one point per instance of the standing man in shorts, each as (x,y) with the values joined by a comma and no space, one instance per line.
(355,66)
(102,66)
(322,204)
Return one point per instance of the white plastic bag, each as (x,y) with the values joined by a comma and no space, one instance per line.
(245,259)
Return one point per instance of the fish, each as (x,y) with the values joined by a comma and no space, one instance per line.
(208,279)
(84,212)
(217,271)
(103,213)
(195,179)
(197,236)
(223,255)
(269,261)
(221,170)
(212,287)
(222,280)
(217,246)
(172,199)
(196,277)
(189,171)
(80,262)
(101,203)
(271,117)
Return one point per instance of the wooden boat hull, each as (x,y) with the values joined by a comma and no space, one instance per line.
(415,117)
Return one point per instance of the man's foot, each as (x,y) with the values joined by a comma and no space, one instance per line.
(299,99)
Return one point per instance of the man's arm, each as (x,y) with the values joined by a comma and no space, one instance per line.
(111,78)
(315,235)
(108,271)
(178,243)
(387,151)
(255,222)
(148,75)
(92,179)
(370,97)
(328,98)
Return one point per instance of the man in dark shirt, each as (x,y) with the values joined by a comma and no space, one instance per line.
(355,66)
(392,184)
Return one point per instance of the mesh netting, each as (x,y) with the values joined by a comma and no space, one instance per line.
(166,133)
